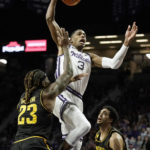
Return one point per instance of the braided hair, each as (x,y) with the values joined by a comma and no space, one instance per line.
(32,81)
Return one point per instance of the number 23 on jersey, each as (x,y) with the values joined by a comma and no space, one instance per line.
(31,109)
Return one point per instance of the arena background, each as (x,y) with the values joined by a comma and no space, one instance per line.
(127,88)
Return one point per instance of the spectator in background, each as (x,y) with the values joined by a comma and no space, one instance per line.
(145,142)
(139,142)
(148,144)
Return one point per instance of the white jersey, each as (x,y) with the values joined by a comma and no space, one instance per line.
(81,63)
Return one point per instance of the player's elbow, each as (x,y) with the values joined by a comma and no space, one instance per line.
(49,18)
(116,64)
(70,73)
(69,70)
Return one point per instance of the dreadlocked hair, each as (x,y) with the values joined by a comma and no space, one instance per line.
(32,81)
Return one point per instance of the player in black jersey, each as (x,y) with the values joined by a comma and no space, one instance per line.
(108,137)
(37,102)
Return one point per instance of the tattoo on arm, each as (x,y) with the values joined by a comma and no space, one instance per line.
(61,83)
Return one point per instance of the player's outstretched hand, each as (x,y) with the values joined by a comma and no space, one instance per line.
(130,34)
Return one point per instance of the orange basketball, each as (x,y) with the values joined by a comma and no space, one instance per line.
(71,2)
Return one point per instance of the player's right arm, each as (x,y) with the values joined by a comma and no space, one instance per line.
(52,24)
(54,89)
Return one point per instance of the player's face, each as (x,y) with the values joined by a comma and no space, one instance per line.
(78,39)
(45,82)
(103,117)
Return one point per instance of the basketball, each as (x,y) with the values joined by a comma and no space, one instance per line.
(71,2)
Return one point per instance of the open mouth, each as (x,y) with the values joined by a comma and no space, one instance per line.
(82,41)
(99,120)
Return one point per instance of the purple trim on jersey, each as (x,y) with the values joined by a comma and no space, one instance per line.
(64,136)
(58,67)
(60,55)
(80,56)
(62,98)
(57,72)
(68,88)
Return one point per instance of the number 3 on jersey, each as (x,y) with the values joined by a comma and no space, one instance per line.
(81,65)
(33,119)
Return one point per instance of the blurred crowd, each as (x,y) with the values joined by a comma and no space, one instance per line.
(130,96)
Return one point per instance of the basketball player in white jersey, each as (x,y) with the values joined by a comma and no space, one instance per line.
(74,124)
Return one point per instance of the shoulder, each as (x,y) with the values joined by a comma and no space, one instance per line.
(116,137)
(86,54)
(90,54)
(116,141)
(93,56)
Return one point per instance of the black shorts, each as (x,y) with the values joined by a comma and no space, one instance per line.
(31,144)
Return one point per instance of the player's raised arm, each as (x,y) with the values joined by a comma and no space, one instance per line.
(50,19)
(60,84)
(116,61)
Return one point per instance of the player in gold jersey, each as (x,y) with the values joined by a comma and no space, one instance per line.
(108,137)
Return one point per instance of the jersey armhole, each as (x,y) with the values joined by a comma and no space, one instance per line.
(110,137)
(17,106)
(41,101)
(60,52)
(60,55)
(90,58)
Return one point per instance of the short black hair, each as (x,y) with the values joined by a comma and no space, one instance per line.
(113,113)
(74,32)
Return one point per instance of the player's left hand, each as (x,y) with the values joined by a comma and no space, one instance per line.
(78,77)
(130,34)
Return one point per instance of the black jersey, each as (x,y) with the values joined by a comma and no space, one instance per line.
(33,119)
(104,145)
